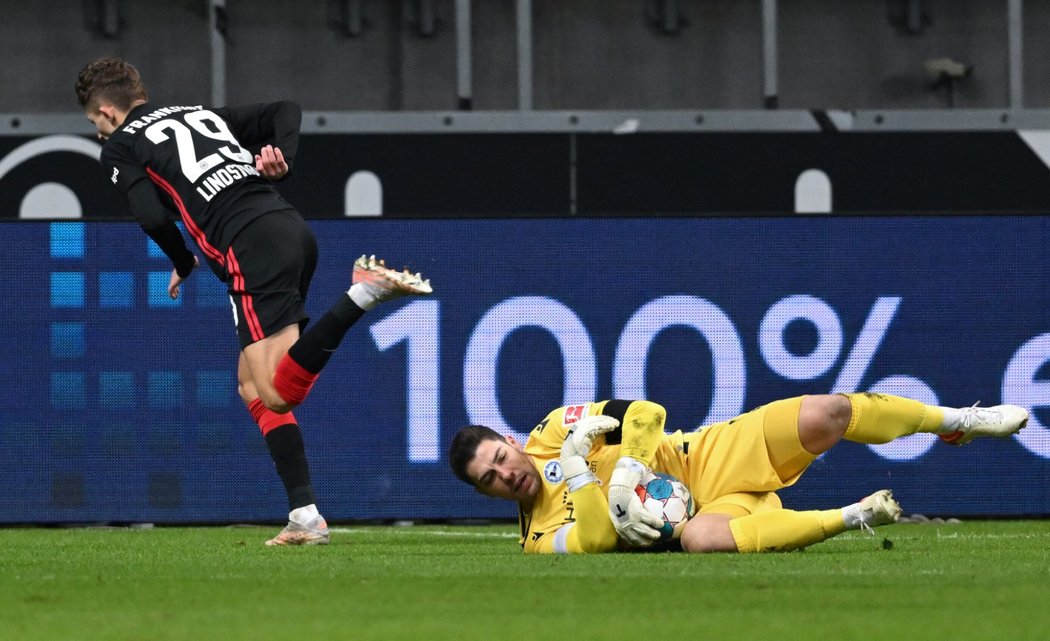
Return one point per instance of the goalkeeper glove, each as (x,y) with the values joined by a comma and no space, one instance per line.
(577,445)
(631,520)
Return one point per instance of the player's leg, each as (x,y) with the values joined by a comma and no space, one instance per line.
(270,265)
(259,361)
(785,530)
(824,420)
(285,443)
(372,283)
(755,523)
(881,418)
(708,532)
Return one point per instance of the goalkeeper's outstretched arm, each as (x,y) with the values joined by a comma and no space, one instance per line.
(598,524)
(641,427)
(641,431)
(591,532)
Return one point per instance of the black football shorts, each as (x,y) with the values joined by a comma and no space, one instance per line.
(268,269)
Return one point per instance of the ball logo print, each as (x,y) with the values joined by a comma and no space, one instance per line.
(667,498)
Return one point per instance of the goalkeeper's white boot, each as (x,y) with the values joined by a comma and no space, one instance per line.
(313,533)
(378,283)
(998,420)
(872,511)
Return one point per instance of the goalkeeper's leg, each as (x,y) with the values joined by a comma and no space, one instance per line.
(824,420)
(867,417)
(727,527)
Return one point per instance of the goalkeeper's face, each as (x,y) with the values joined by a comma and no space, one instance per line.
(503,470)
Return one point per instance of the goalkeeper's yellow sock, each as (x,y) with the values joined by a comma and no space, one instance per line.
(880,418)
(784,530)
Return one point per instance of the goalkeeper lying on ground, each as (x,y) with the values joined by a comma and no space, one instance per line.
(575,476)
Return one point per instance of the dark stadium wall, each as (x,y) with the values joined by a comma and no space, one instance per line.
(587,54)
(552,174)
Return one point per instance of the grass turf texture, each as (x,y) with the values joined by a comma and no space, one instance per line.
(975,580)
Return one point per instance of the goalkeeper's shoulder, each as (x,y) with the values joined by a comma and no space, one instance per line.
(551,430)
(621,408)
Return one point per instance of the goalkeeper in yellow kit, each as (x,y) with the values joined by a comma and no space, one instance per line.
(574,477)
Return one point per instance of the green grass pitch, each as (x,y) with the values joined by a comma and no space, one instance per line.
(984,580)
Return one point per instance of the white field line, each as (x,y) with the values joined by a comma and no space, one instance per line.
(423,532)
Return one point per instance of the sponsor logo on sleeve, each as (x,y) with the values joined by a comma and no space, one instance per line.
(574,413)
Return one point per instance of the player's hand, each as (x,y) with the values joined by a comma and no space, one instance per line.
(582,434)
(632,521)
(577,445)
(270,163)
(176,280)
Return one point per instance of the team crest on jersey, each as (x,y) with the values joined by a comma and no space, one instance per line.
(574,413)
(552,472)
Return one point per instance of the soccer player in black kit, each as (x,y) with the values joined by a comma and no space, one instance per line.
(212,167)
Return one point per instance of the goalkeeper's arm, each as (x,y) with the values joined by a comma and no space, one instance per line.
(591,529)
(642,429)
(591,532)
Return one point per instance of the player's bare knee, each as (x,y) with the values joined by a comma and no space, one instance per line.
(827,415)
(273,402)
(840,412)
(694,542)
(708,533)
(706,545)
(247,393)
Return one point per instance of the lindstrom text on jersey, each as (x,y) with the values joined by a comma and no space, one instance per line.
(224,177)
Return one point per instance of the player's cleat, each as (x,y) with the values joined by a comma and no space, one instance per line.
(878,509)
(313,533)
(384,283)
(998,420)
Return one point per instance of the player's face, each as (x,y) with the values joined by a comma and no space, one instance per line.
(503,470)
(104,120)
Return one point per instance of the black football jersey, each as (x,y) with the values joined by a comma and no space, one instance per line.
(202,161)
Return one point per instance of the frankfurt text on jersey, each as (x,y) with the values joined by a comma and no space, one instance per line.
(154,116)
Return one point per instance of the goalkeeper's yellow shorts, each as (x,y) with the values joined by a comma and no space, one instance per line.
(729,466)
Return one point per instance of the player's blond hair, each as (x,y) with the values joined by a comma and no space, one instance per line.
(109,80)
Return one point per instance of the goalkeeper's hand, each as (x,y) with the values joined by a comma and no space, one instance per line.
(577,445)
(632,521)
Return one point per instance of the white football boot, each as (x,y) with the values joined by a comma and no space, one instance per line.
(999,420)
(878,509)
(872,511)
(313,533)
(383,283)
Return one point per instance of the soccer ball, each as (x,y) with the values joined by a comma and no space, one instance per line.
(667,498)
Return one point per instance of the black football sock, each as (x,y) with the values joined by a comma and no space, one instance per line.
(316,345)
(289,457)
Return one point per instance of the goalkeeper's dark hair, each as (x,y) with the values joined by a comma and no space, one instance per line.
(465,446)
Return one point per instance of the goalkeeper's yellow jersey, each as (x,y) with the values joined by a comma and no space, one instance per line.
(560,522)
